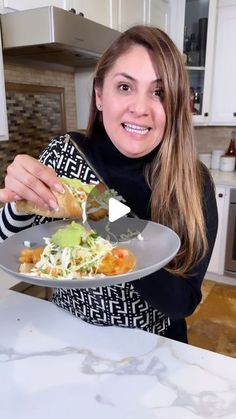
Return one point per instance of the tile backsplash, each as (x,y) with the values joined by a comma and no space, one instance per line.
(210,138)
(36,115)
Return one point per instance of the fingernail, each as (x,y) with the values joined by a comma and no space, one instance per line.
(53,205)
(59,188)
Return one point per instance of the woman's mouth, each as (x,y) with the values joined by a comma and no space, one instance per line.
(135,129)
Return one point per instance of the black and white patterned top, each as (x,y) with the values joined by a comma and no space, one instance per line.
(119,305)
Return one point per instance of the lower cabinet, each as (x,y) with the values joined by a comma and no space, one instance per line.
(217,261)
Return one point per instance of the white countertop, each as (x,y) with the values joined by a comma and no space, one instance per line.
(53,365)
(224,178)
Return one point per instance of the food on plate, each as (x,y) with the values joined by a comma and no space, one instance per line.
(71,203)
(74,252)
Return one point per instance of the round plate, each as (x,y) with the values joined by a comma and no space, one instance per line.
(159,245)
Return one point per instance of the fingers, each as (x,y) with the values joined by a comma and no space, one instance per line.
(33,181)
(8,196)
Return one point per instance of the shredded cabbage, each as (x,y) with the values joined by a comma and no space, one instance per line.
(72,262)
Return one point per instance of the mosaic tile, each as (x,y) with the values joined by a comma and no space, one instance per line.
(34,117)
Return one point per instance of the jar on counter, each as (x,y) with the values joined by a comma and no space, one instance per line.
(227,163)
(215,159)
(206,159)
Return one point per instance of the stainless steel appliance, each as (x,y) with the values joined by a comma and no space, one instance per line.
(230,257)
(54,35)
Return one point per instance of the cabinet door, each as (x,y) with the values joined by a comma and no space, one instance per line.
(158,14)
(32,4)
(192,28)
(216,264)
(223,104)
(3,108)
(129,13)
(98,11)
(199,29)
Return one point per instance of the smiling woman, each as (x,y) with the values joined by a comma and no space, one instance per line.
(140,142)
(131,103)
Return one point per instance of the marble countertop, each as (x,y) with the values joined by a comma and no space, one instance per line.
(54,365)
(224,178)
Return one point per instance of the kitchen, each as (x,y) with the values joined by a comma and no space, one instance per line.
(210,133)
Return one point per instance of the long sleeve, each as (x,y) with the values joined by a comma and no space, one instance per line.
(11,221)
(65,160)
(175,296)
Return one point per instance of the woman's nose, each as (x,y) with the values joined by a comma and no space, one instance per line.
(139,105)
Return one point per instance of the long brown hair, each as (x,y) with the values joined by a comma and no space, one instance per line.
(175,173)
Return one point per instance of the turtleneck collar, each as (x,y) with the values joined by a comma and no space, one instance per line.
(116,158)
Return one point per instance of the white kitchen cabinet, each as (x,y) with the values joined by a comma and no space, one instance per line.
(129,13)
(100,11)
(189,19)
(158,14)
(3,109)
(216,264)
(141,12)
(223,100)
(122,14)
(32,4)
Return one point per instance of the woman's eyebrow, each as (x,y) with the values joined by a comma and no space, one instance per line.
(127,76)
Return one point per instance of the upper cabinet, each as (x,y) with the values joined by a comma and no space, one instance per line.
(223,100)
(193,30)
(121,14)
(100,12)
(138,12)
(118,14)
(31,4)
(158,14)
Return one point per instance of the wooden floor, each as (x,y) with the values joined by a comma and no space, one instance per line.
(213,324)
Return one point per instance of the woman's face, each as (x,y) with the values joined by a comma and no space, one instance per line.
(130,99)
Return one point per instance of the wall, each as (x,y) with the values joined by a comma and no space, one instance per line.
(33,143)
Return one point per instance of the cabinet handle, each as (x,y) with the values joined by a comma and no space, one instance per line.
(220,195)
(234,114)
(206,114)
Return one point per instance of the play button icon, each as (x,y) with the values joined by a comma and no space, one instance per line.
(116,210)
(112,220)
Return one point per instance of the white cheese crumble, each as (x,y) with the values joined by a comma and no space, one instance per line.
(27,243)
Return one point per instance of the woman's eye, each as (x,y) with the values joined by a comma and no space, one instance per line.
(124,87)
(158,93)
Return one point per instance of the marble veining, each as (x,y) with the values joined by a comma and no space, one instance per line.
(55,365)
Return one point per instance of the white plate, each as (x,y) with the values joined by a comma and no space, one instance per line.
(159,245)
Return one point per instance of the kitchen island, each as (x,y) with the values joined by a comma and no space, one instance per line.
(53,365)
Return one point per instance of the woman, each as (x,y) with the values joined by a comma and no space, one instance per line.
(140,140)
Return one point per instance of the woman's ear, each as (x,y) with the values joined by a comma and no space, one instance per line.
(98,97)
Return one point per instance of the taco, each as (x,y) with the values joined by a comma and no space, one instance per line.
(71,203)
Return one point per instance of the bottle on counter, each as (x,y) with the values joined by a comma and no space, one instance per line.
(227,162)
(232,147)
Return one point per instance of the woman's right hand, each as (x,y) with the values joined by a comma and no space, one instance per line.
(29,179)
